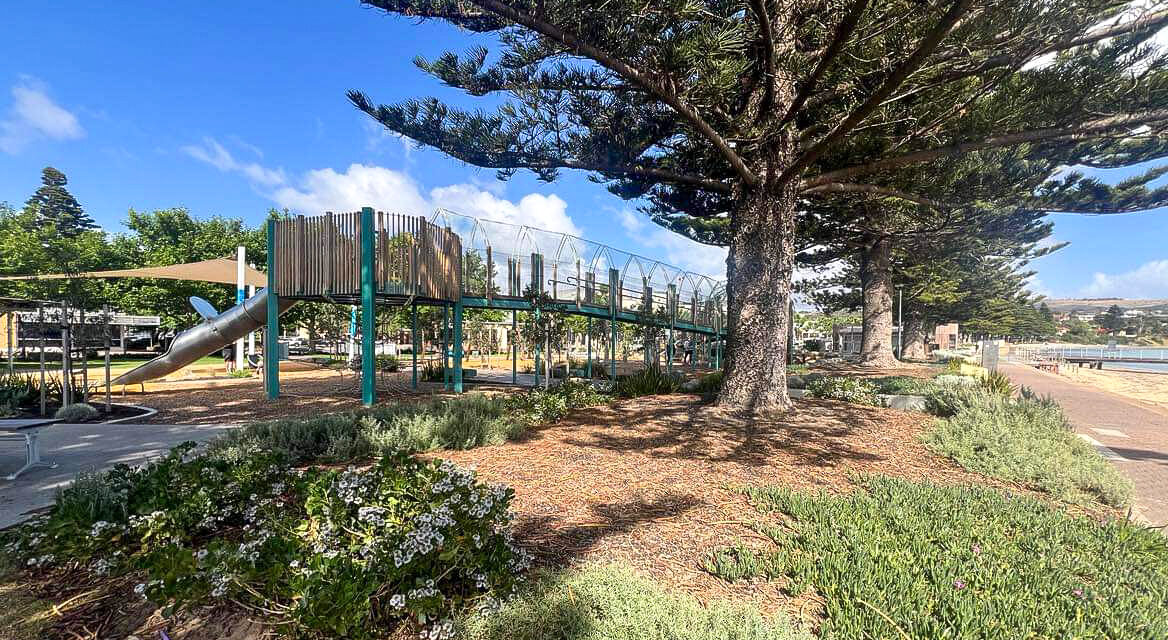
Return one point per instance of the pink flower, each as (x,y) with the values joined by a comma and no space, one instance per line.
(959,584)
(976,548)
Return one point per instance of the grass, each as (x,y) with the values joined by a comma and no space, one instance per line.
(898,559)
(612,603)
(1026,441)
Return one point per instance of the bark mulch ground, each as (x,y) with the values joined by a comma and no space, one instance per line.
(302,394)
(649,482)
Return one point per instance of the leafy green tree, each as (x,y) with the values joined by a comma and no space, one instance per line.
(173,236)
(731,113)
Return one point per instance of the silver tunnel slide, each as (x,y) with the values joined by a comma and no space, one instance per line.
(206,338)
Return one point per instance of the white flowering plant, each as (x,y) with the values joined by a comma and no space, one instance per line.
(844,388)
(354,553)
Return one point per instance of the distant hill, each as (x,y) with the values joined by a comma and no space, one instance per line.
(1095,305)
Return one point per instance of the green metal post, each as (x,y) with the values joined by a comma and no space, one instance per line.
(272,338)
(588,339)
(613,298)
(414,343)
(368,344)
(445,347)
(458,347)
(537,349)
(514,348)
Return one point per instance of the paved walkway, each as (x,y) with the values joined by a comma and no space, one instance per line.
(1132,435)
(83,447)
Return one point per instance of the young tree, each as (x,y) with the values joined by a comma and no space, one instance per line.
(736,111)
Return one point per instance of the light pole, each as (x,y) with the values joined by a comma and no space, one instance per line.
(900,321)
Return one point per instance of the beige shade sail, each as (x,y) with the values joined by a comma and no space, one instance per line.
(217,270)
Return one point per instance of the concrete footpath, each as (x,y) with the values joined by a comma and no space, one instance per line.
(83,447)
(1133,436)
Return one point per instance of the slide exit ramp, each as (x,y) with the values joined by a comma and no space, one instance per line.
(204,339)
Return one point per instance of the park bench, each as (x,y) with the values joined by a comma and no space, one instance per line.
(29,431)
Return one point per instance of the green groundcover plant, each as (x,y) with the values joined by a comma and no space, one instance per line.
(612,603)
(898,559)
(354,553)
(1021,439)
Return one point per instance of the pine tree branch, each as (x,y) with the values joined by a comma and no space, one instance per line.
(842,33)
(1150,21)
(634,75)
(847,187)
(890,85)
(1086,130)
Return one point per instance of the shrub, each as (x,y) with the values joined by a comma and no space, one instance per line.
(898,559)
(649,381)
(18,390)
(902,385)
(998,383)
(388,363)
(953,365)
(538,406)
(76,412)
(241,373)
(710,383)
(610,603)
(1026,442)
(468,421)
(949,394)
(354,554)
(843,388)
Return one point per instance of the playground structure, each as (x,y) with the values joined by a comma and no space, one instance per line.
(368,258)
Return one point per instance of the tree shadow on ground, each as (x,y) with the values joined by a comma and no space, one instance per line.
(815,433)
(1141,455)
(556,541)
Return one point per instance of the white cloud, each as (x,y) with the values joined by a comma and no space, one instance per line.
(359,186)
(548,212)
(674,248)
(216,155)
(34,116)
(1149,280)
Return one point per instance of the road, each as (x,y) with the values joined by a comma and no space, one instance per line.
(1133,436)
(83,447)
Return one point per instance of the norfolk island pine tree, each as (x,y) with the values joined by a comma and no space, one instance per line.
(738,110)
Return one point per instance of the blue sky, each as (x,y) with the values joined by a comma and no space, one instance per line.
(232,108)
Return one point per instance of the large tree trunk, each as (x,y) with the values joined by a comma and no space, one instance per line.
(758,271)
(876,285)
(915,340)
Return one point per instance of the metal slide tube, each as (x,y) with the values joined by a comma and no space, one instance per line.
(207,338)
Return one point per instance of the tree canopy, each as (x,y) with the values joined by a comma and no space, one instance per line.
(730,114)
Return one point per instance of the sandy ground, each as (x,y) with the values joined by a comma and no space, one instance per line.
(1147,388)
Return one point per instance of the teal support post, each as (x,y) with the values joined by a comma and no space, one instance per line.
(272,337)
(613,307)
(588,339)
(368,328)
(537,352)
(414,344)
(458,347)
(445,347)
(514,348)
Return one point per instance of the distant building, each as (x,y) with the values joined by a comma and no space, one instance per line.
(946,336)
(847,339)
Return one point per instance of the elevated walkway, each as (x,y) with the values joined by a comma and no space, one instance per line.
(454,261)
